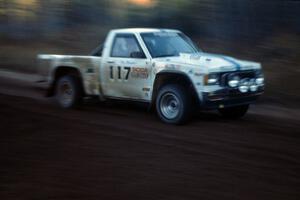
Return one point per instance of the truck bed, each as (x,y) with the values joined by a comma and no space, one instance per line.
(88,66)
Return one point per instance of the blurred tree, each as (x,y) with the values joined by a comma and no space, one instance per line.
(229,20)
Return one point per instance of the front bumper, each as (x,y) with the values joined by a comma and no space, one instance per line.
(228,98)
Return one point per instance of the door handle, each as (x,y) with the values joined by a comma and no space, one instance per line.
(110,62)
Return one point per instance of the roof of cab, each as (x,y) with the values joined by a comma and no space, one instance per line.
(143,30)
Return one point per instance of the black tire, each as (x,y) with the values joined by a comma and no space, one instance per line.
(68,91)
(235,112)
(173,104)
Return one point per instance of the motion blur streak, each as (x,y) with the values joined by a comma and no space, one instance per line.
(142,2)
(116,152)
(264,31)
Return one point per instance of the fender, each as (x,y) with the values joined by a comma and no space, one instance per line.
(170,76)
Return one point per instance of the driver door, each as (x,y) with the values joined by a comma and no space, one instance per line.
(127,70)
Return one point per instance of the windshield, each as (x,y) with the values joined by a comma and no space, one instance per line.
(165,44)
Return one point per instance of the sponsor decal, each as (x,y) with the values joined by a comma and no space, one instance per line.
(138,72)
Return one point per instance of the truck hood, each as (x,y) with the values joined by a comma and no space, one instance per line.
(210,62)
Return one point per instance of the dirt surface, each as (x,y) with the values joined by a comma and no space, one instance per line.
(118,151)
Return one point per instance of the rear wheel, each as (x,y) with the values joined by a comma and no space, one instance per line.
(68,91)
(173,104)
(235,112)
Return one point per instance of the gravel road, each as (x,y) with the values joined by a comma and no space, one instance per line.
(120,151)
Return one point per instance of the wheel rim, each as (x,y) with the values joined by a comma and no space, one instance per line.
(169,106)
(66,93)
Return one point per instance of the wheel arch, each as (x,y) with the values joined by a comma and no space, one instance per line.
(171,77)
(60,71)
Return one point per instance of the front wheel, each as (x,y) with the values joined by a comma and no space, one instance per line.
(173,104)
(235,112)
(68,91)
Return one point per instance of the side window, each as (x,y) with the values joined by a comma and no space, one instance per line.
(126,46)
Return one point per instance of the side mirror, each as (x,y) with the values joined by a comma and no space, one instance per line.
(99,54)
(137,54)
(97,51)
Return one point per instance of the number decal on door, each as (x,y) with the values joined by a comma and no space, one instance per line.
(127,72)
(119,72)
(111,72)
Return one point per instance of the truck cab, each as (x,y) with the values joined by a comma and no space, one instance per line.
(161,67)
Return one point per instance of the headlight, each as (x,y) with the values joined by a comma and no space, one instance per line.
(260,80)
(253,86)
(234,81)
(211,79)
(243,89)
(244,85)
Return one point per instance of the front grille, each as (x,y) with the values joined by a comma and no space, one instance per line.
(241,74)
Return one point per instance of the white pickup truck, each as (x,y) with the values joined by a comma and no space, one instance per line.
(161,67)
